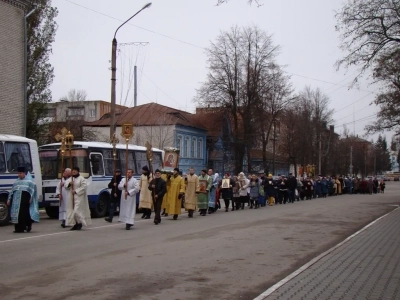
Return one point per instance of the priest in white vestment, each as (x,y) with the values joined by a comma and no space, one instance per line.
(128,199)
(62,194)
(78,212)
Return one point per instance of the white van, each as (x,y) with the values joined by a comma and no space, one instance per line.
(16,151)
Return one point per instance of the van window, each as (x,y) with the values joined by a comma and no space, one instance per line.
(2,159)
(17,155)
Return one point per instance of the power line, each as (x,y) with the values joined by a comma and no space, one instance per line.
(154,32)
(352,113)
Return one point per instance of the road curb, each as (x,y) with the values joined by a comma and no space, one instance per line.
(276,286)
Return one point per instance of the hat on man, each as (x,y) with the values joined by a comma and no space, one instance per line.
(269,175)
(145,168)
(176,169)
(117,171)
(228,174)
(21,169)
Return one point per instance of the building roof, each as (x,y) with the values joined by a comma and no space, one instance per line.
(150,114)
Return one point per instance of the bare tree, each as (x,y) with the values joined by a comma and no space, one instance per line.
(257,2)
(238,65)
(369,30)
(274,97)
(75,96)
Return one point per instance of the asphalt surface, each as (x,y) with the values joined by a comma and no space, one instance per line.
(227,255)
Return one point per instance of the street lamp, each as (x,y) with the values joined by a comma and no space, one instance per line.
(114,69)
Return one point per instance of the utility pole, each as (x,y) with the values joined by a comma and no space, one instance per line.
(319,154)
(365,161)
(113,83)
(135,87)
(114,69)
(351,161)
(273,148)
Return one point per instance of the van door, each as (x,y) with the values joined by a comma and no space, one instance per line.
(96,164)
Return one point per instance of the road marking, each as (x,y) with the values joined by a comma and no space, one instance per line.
(64,232)
(276,286)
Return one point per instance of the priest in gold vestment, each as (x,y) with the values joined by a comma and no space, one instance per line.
(176,190)
(192,188)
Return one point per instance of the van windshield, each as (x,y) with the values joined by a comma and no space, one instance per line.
(50,163)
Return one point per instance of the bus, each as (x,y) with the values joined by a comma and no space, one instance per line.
(16,151)
(96,163)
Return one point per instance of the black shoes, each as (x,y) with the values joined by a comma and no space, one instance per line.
(109,220)
(175,217)
(147,217)
(77,226)
(63,224)
(143,216)
(28,228)
(128,226)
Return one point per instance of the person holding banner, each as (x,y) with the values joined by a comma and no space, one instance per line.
(78,212)
(129,187)
(63,196)
(158,188)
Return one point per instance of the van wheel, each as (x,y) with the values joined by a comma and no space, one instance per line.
(52,212)
(101,207)
(4,211)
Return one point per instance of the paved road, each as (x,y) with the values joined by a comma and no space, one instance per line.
(234,255)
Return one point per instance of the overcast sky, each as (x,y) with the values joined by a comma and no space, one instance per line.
(173,63)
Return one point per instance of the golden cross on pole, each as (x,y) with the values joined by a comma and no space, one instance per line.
(127,133)
(61,137)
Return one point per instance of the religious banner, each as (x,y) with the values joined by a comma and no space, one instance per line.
(203,186)
(225,183)
(127,131)
(171,159)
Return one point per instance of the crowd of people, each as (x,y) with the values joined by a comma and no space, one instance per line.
(166,194)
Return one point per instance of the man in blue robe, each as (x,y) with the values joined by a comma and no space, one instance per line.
(23,202)
(212,201)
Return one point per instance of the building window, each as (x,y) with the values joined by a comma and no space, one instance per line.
(179,143)
(187,146)
(50,113)
(92,113)
(75,111)
(194,147)
(200,148)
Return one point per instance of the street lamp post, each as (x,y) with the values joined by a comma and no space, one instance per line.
(114,69)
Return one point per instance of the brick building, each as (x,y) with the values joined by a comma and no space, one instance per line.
(12,14)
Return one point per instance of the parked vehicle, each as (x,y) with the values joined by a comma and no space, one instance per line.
(16,151)
(396,179)
(96,163)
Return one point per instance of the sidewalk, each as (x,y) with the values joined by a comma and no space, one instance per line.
(364,266)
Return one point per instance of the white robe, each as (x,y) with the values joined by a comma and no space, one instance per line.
(128,205)
(62,210)
(80,213)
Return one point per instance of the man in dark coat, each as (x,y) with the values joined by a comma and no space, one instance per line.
(227,191)
(291,184)
(158,187)
(270,189)
(115,194)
